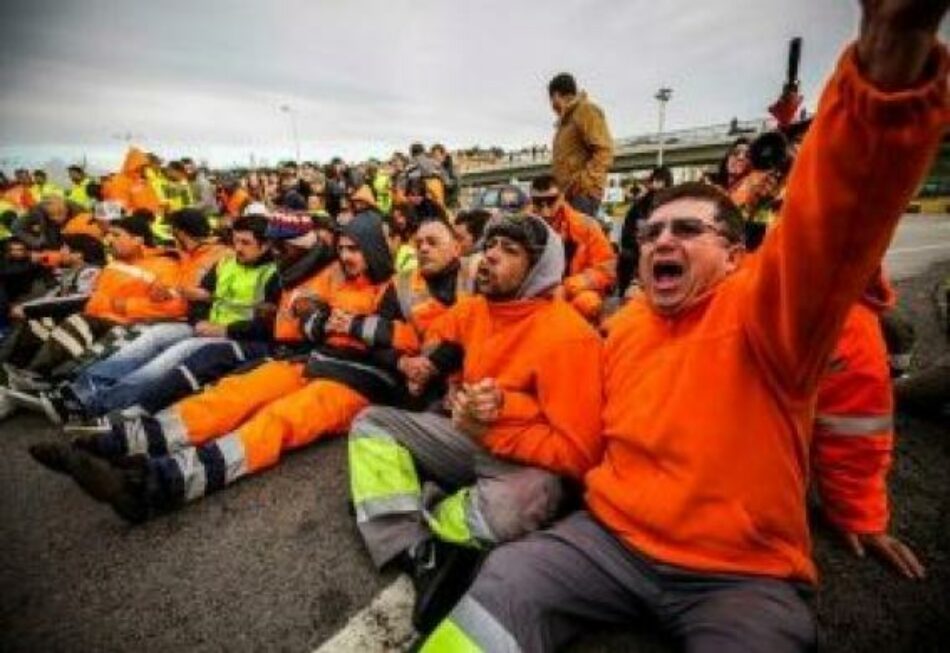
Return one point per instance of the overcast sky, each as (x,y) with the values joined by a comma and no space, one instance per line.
(365,77)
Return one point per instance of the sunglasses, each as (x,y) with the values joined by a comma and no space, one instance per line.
(542,201)
(682,228)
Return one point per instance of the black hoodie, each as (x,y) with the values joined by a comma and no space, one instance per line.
(366,230)
(372,373)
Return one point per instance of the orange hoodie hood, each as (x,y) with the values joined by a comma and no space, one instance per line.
(135,160)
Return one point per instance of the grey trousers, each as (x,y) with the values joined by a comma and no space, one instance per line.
(541,592)
(492,500)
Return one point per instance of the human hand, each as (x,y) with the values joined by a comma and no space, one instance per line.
(417,369)
(339,322)
(159,293)
(486,399)
(896,38)
(461,406)
(210,330)
(891,550)
(17,313)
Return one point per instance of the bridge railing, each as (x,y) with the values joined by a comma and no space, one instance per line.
(692,135)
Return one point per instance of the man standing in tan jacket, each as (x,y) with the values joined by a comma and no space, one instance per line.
(583,148)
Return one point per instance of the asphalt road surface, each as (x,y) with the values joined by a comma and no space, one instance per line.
(274,563)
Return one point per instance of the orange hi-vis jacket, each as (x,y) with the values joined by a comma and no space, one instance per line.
(547,361)
(420,307)
(591,261)
(236,202)
(194,265)
(709,413)
(287,324)
(132,281)
(130,188)
(361,298)
(84,224)
(854,421)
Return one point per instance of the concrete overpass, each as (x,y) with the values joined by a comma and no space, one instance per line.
(703,146)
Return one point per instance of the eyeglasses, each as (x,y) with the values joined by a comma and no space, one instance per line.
(682,228)
(541,201)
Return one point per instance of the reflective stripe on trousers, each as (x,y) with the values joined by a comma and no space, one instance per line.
(470,628)
(383,481)
(383,478)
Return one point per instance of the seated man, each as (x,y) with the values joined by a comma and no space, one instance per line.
(221,288)
(37,316)
(156,347)
(695,519)
(853,438)
(591,269)
(526,412)
(273,332)
(122,295)
(243,424)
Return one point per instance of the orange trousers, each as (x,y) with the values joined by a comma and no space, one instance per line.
(272,408)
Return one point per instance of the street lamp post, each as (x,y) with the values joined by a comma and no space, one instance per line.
(662,96)
(286,108)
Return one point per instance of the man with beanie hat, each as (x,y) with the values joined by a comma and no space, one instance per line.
(519,424)
(243,424)
(266,332)
(222,288)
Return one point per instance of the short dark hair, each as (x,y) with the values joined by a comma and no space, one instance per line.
(92,250)
(138,224)
(75,168)
(662,173)
(416,149)
(727,212)
(562,84)
(474,220)
(256,224)
(543,183)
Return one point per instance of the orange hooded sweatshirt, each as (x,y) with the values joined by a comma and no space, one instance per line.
(132,281)
(547,361)
(709,413)
(854,421)
(130,188)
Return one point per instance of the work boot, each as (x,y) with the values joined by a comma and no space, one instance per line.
(57,456)
(441,574)
(126,488)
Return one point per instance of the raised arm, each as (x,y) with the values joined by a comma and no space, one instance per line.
(878,126)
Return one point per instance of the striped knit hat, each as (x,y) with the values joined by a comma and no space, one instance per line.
(294,228)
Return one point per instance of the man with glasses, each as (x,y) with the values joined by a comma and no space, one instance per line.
(590,261)
(695,518)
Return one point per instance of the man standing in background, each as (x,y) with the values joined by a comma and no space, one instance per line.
(583,148)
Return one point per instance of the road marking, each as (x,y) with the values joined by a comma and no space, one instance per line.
(384,626)
(910,250)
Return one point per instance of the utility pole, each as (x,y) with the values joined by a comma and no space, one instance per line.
(286,108)
(662,97)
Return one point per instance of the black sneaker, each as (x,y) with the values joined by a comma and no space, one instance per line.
(125,488)
(441,574)
(57,456)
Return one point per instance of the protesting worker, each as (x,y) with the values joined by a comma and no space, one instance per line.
(591,264)
(526,412)
(853,439)
(695,518)
(243,424)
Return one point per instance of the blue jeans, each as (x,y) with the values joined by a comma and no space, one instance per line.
(204,364)
(102,375)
